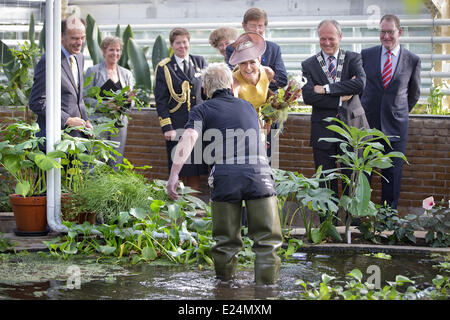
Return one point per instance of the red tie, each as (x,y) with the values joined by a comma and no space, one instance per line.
(387,70)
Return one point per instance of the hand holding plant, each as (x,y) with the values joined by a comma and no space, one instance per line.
(277,106)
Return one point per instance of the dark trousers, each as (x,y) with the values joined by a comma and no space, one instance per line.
(390,189)
(323,157)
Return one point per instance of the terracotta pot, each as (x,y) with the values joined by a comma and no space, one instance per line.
(67,208)
(30,213)
(89,217)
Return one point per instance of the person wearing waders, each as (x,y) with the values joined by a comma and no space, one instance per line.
(240,172)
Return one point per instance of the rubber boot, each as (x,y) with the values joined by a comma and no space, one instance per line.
(226,231)
(265,230)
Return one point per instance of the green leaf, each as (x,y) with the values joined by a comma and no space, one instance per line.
(333,233)
(438,281)
(149,253)
(93,40)
(127,34)
(178,252)
(71,249)
(429,237)
(31,30)
(326,278)
(107,249)
(139,64)
(138,213)
(6,56)
(316,236)
(117,32)
(46,163)
(42,39)
(156,205)
(356,273)
(159,51)
(22,188)
(174,211)
(197,201)
(400,280)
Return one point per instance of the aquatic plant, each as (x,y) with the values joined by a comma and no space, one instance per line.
(355,289)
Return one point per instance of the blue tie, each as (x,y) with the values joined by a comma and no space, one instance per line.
(332,68)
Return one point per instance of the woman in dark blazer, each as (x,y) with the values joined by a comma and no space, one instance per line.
(120,77)
(178,88)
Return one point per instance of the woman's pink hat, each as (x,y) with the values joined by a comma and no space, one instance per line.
(248,46)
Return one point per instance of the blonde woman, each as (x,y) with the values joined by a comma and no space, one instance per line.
(120,78)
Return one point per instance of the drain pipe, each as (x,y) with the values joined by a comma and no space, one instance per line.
(53,109)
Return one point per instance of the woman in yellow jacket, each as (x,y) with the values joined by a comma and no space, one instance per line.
(251,79)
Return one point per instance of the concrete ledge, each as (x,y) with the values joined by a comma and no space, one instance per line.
(368,248)
(358,248)
(29,243)
(7,222)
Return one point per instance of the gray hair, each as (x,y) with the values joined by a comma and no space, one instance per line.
(215,77)
(330,21)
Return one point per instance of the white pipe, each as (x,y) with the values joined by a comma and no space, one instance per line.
(57,109)
(49,85)
(53,109)
(273,24)
(238,24)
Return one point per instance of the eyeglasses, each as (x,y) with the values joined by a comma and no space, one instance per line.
(255,26)
(389,32)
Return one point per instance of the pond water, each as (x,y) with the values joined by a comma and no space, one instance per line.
(54,279)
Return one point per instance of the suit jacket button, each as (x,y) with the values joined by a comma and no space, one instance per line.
(193,97)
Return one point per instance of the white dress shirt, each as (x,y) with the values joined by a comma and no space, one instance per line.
(180,61)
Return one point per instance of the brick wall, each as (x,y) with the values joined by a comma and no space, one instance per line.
(428,152)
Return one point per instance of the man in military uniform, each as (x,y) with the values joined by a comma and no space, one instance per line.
(240,172)
(178,88)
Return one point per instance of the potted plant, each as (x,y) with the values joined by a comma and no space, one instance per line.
(27,164)
(81,155)
(108,192)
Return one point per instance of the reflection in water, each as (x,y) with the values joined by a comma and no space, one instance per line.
(147,281)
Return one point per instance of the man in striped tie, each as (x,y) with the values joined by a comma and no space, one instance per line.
(392,90)
(335,80)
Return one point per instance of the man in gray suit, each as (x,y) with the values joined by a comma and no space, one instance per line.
(393,89)
(73,112)
(335,78)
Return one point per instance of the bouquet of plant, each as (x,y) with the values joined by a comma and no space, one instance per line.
(277,105)
(113,102)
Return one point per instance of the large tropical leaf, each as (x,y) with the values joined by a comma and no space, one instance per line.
(117,33)
(93,39)
(6,57)
(159,51)
(139,64)
(22,188)
(127,34)
(31,30)
(42,39)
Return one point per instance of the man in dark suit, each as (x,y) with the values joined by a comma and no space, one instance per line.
(393,89)
(255,20)
(73,111)
(334,76)
(178,88)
